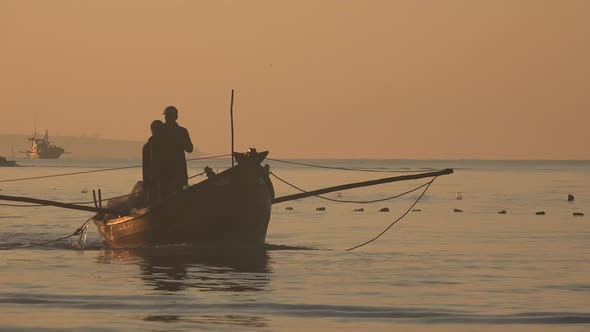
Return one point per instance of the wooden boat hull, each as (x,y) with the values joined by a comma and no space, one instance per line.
(51,154)
(231,208)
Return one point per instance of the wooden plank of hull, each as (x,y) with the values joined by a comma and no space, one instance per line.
(232,208)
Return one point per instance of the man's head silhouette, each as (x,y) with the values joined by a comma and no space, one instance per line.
(157,127)
(170,114)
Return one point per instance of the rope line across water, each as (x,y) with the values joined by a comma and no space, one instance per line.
(99,170)
(372,170)
(351,201)
(398,219)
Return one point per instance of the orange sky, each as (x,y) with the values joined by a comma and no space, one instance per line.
(319,79)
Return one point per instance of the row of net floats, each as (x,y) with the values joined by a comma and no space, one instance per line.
(459,196)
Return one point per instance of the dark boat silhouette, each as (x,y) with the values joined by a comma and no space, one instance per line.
(6,163)
(231,208)
(41,148)
(227,210)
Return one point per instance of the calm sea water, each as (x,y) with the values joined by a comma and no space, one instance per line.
(435,270)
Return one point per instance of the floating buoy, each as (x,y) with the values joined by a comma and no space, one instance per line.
(577,214)
(457,210)
(502,212)
(459,196)
(288,208)
(359,210)
(384,210)
(416,210)
(570,198)
(320,209)
(540,213)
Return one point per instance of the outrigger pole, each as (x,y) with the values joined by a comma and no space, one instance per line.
(361,184)
(43,202)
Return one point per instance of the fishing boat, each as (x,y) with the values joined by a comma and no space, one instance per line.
(7,163)
(231,208)
(41,148)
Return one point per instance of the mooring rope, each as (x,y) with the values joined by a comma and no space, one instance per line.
(350,201)
(76,232)
(372,170)
(398,219)
(99,170)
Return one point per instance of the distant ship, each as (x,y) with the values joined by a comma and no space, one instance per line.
(41,148)
(5,162)
(8,163)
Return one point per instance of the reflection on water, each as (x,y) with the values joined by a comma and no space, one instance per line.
(177,268)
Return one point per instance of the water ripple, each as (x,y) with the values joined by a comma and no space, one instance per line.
(419,314)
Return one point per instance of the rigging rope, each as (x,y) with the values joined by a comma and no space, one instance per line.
(99,170)
(372,170)
(398,219)
(350,201)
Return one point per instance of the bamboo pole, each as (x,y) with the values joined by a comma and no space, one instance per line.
(59,204)
(231,115)
(361,184)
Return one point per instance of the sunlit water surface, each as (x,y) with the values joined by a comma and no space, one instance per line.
(435,270)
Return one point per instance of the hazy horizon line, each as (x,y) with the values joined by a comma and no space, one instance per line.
(204,154)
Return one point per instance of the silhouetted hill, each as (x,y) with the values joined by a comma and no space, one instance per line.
(80,147)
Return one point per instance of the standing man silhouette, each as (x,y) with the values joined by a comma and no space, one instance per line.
(153,160)
(177,141)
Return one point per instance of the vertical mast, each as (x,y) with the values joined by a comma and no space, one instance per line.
(231,115)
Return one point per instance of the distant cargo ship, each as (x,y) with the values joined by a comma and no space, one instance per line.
(41,148)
